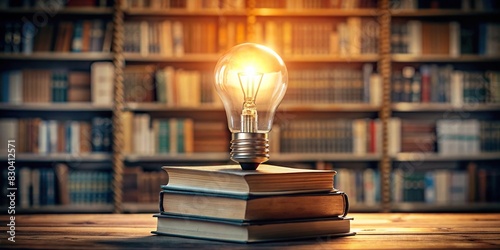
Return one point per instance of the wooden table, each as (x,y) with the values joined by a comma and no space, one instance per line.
(374,231)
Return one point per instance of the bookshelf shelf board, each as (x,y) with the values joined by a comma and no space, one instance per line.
(313,157)
(59,56)
(130,207)
(189,157)
(64,157)
(315,12)
(407,58)
(443,107)
(144,12)
(82,11)
(422,157)
(450,207)
(155,107)
(337,107)
(135,57)
(72,208)
(330,58)
(441,13)
(54,107)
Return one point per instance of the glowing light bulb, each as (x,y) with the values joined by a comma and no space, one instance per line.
(251,80)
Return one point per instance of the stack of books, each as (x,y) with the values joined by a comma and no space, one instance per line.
(268,204)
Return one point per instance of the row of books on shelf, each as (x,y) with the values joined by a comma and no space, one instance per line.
(334,85)
(466,5)
(445,38)
(40,136)
(354,36)
(54,4)
(443,84)
(358,136)
(176,38)
(141,186)
(59,85)
(444,136)
(240,4)
(477,183)
(184,4)
(316,4)
(60,185)
(64,36)
(145,135)
(171,86)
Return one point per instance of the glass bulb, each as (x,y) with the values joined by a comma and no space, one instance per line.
(251,80)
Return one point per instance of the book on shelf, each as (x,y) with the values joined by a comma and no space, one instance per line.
(248,232)
(266,180)
(250,208)
(102,82)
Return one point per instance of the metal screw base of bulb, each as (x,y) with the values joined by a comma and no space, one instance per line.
(249,149)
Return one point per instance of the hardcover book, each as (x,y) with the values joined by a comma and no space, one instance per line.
(266,180)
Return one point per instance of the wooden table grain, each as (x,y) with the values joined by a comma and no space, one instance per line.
(374,231)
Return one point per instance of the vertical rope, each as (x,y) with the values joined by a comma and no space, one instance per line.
(384,66)
(251,20)
(118,106)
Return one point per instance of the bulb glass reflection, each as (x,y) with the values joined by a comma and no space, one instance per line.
(251,80)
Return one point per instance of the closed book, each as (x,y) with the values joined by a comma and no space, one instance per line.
(248,232)
(249,208)
(266,180)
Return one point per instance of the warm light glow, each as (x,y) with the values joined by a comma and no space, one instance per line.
(251,80)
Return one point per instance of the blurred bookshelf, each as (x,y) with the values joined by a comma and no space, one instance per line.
(357,99)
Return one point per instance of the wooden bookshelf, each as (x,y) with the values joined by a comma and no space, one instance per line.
(315,157)
(145,12)
(180,157)
(384,63)
(56,107)
(189,58)
(78,11)
(66,209)
(406,58)
(443,107)
(451,207)
(58,56)
(422,157)
(442,13)
(275,12)
(64,157)
(330,58)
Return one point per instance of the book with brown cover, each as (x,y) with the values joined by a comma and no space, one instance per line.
(266,180)
(250,208)
(253,231)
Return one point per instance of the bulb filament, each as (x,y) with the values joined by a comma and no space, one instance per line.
(250,84)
